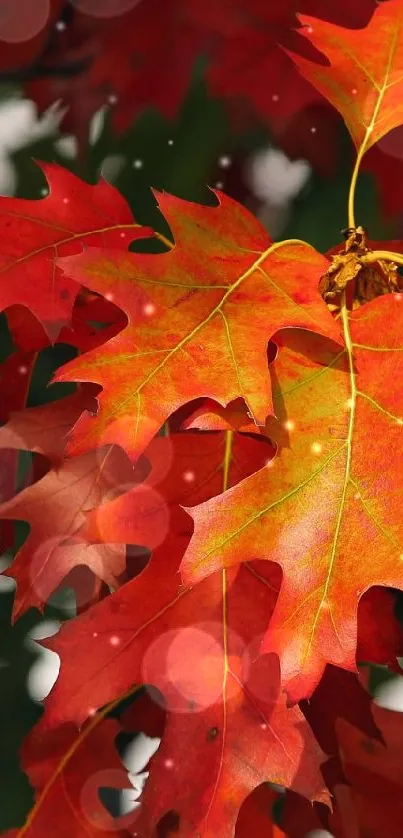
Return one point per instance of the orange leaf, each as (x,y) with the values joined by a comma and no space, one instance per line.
(328,507)
(371,804)
(200,317)
(364,79)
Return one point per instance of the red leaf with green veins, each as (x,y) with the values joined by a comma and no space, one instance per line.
(200,317)
(364,78)
(328,507)
(35,233)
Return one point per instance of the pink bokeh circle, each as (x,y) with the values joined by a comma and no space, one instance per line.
(104,8)
(21,20)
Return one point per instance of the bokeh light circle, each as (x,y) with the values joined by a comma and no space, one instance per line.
(104,8)
(21,20)
(193,687)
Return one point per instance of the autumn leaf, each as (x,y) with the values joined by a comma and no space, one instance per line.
(35,233)
(43,429)
(55,509)
(364,77)
(300,818)
(380,633)
(327,508)
(200,317)
(227,704)
(372,801)
(339,695)
(249,61)
(340,698)
(67,768)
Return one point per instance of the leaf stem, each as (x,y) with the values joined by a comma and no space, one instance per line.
(353,184)
(164,240)
(382,255)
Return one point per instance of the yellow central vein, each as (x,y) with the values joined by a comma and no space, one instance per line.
(229,437)
(349,441)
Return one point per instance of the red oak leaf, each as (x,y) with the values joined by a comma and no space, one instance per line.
(364,77)
(372,803)
(299,817)
(339,695)
(15,376)
(67,768)
(145,715)
(35,233)
(189,311)
(227,704)
(324,511)
(55,508)
(242,40)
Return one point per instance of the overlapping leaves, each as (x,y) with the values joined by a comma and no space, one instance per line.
(303,474)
